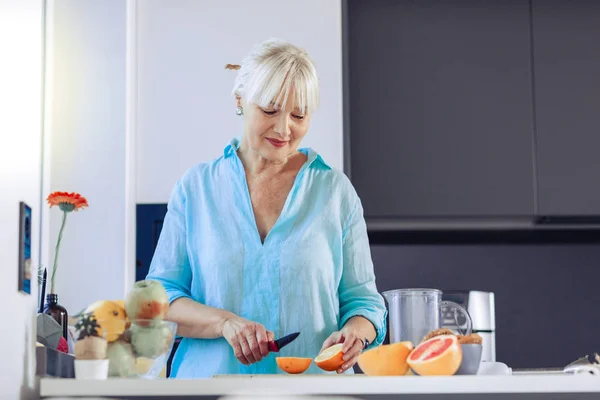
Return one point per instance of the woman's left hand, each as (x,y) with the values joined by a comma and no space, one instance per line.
(353,345)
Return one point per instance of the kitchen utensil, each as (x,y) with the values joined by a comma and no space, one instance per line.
(589,364)
(276,345)
(471,359)
(415,312)
(481,308)
(43,288)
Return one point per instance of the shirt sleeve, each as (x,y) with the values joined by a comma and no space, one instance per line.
(170,264)
(357,290)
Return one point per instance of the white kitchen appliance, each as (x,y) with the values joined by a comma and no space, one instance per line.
(481,308)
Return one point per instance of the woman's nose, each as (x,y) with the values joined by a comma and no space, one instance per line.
(282,126)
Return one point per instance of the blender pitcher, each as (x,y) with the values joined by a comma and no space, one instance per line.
(413,313)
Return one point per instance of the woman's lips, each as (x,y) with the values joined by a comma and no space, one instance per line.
(277,143)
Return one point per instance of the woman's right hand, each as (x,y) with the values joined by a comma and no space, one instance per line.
(248,339)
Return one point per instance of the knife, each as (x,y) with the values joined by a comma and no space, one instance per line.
(276,345)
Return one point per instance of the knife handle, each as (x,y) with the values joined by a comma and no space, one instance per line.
(272,346)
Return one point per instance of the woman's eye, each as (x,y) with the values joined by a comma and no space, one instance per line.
(299,116)
(270,112)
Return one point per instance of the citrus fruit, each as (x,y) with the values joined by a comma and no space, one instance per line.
(120,303)
(293,365)
(440,355)
(387,359)
(111,318)
(330,359)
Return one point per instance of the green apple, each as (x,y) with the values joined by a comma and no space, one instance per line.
(147,300)
(121,359)
(151,341)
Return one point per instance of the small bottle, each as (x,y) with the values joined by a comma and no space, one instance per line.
(58,312)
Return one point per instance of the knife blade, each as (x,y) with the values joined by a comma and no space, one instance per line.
(276,345)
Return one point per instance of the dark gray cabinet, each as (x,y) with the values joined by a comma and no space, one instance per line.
(566,48)
(438,97)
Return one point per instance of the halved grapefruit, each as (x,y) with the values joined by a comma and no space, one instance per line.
(440,355)
(293,365)
(330,359)
(385,360)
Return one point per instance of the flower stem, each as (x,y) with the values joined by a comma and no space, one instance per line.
(60,233)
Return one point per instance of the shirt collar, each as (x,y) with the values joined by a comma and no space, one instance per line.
(231,148)
(313,156)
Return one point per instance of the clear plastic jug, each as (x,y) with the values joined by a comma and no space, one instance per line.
(413,313)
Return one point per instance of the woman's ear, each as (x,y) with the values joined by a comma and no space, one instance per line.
(238,101)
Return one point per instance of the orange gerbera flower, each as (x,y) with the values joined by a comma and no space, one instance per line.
(67,201)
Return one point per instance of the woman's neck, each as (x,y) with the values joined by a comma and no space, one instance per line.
(255,164)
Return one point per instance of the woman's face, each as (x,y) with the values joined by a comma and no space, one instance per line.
(274,133)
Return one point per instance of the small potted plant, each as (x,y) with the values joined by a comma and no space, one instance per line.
(90,349)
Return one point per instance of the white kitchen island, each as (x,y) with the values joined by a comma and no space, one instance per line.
(354,386)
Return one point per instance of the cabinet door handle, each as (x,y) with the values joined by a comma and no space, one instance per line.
(445,223)
(567,220)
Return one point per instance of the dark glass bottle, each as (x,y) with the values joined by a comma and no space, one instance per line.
(58,312)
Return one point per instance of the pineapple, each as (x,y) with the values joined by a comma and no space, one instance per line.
(89,345)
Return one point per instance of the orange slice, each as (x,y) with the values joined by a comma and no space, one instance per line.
(440,355)
(330,359)
(293,365)
(386,360)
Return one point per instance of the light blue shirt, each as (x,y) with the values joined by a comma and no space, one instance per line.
(313,272)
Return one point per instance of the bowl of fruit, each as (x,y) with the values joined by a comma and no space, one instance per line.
(137,338)
(142,350)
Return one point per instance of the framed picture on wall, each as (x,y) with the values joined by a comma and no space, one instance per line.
(24,274)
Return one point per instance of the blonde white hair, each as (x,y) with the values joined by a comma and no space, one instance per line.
(271,70)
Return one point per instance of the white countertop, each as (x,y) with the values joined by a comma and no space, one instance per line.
(321,385)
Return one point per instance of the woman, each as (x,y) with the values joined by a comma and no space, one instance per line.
(267,239)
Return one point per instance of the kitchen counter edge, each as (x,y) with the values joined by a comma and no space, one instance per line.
(319,385)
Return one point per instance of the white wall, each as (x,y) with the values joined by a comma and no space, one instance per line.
(20,178)
(185,109)
(182,110)
(185,115)
(88,147)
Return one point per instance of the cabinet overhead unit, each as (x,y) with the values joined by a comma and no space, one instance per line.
(457,113)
